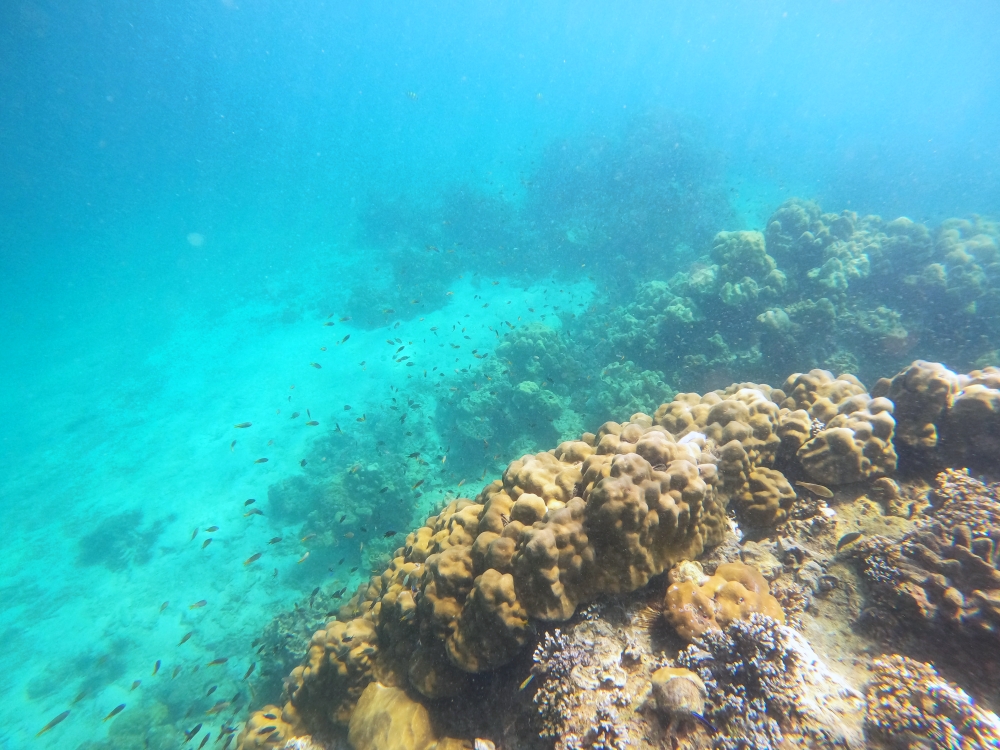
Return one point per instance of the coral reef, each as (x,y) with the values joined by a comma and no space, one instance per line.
(944,573)
(765,683)
(733,592)
(909,704)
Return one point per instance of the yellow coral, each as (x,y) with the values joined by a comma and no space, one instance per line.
(734,592)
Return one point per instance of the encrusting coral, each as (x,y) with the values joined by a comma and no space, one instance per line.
(910,705)
(603,515)
(696,604)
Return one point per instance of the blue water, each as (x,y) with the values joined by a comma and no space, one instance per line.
(190,190)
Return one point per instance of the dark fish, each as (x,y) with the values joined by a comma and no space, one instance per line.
(417,484)
(164,605)
(204,740)
(308,414)
(384,489)
(194,534)
(177,671)
(345,338)
(415,454)
(329,323)
(254,512)
(267,730)
(389,534)
(211,690)
(231,446)
(312,423)
(340,561)
(79,697)
(243,425)
(851,536)
(251,501)
(190,734)
(198,605)
(217,662)
(336,427)
(212,529)
(347,407)
(135,684)
(56,721)
(294,414)
(354,568)
(253,558)
(708,725)
(275,540)
(250,671)
(317,365)
(156,667)
(206,543)
(302,463)
(817,489)
(402,419)
(344,516)
(115,711)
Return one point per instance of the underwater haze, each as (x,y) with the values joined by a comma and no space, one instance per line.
(278,279)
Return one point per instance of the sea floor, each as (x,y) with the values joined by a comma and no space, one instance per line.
(121,454)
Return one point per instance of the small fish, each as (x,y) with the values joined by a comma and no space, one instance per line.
(417,484)
(303,558)
(212,529)
(56,721)
(198,605)
(851,536)
(383,490)
(344,339)
(345,318)
(389,534)
(254,512)
(275,540)
(164,605)
(415,454)
(307,537)
(329,323)
(349,535)
(193,535)
(204,740)
(211,690)
(336,427)
(343,517)
(527,682)
(295,414)
(250,671)
(243,425)
(79,697)
(177,671)
(219,707)
(115,711)
(135,684)
(317,365)
(311,423)
(362,418)
(156,667)
(253,558)
(354,569)
(261,461)
(192,732)
(302,463)
(217,662)
(817,489)
(251,501)
(708,725)
(231,446)
(206,543)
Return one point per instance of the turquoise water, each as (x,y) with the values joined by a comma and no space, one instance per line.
(192,192)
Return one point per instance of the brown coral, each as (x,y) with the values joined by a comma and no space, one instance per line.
(734,592)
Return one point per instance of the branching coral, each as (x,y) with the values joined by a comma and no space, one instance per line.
(909,704)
